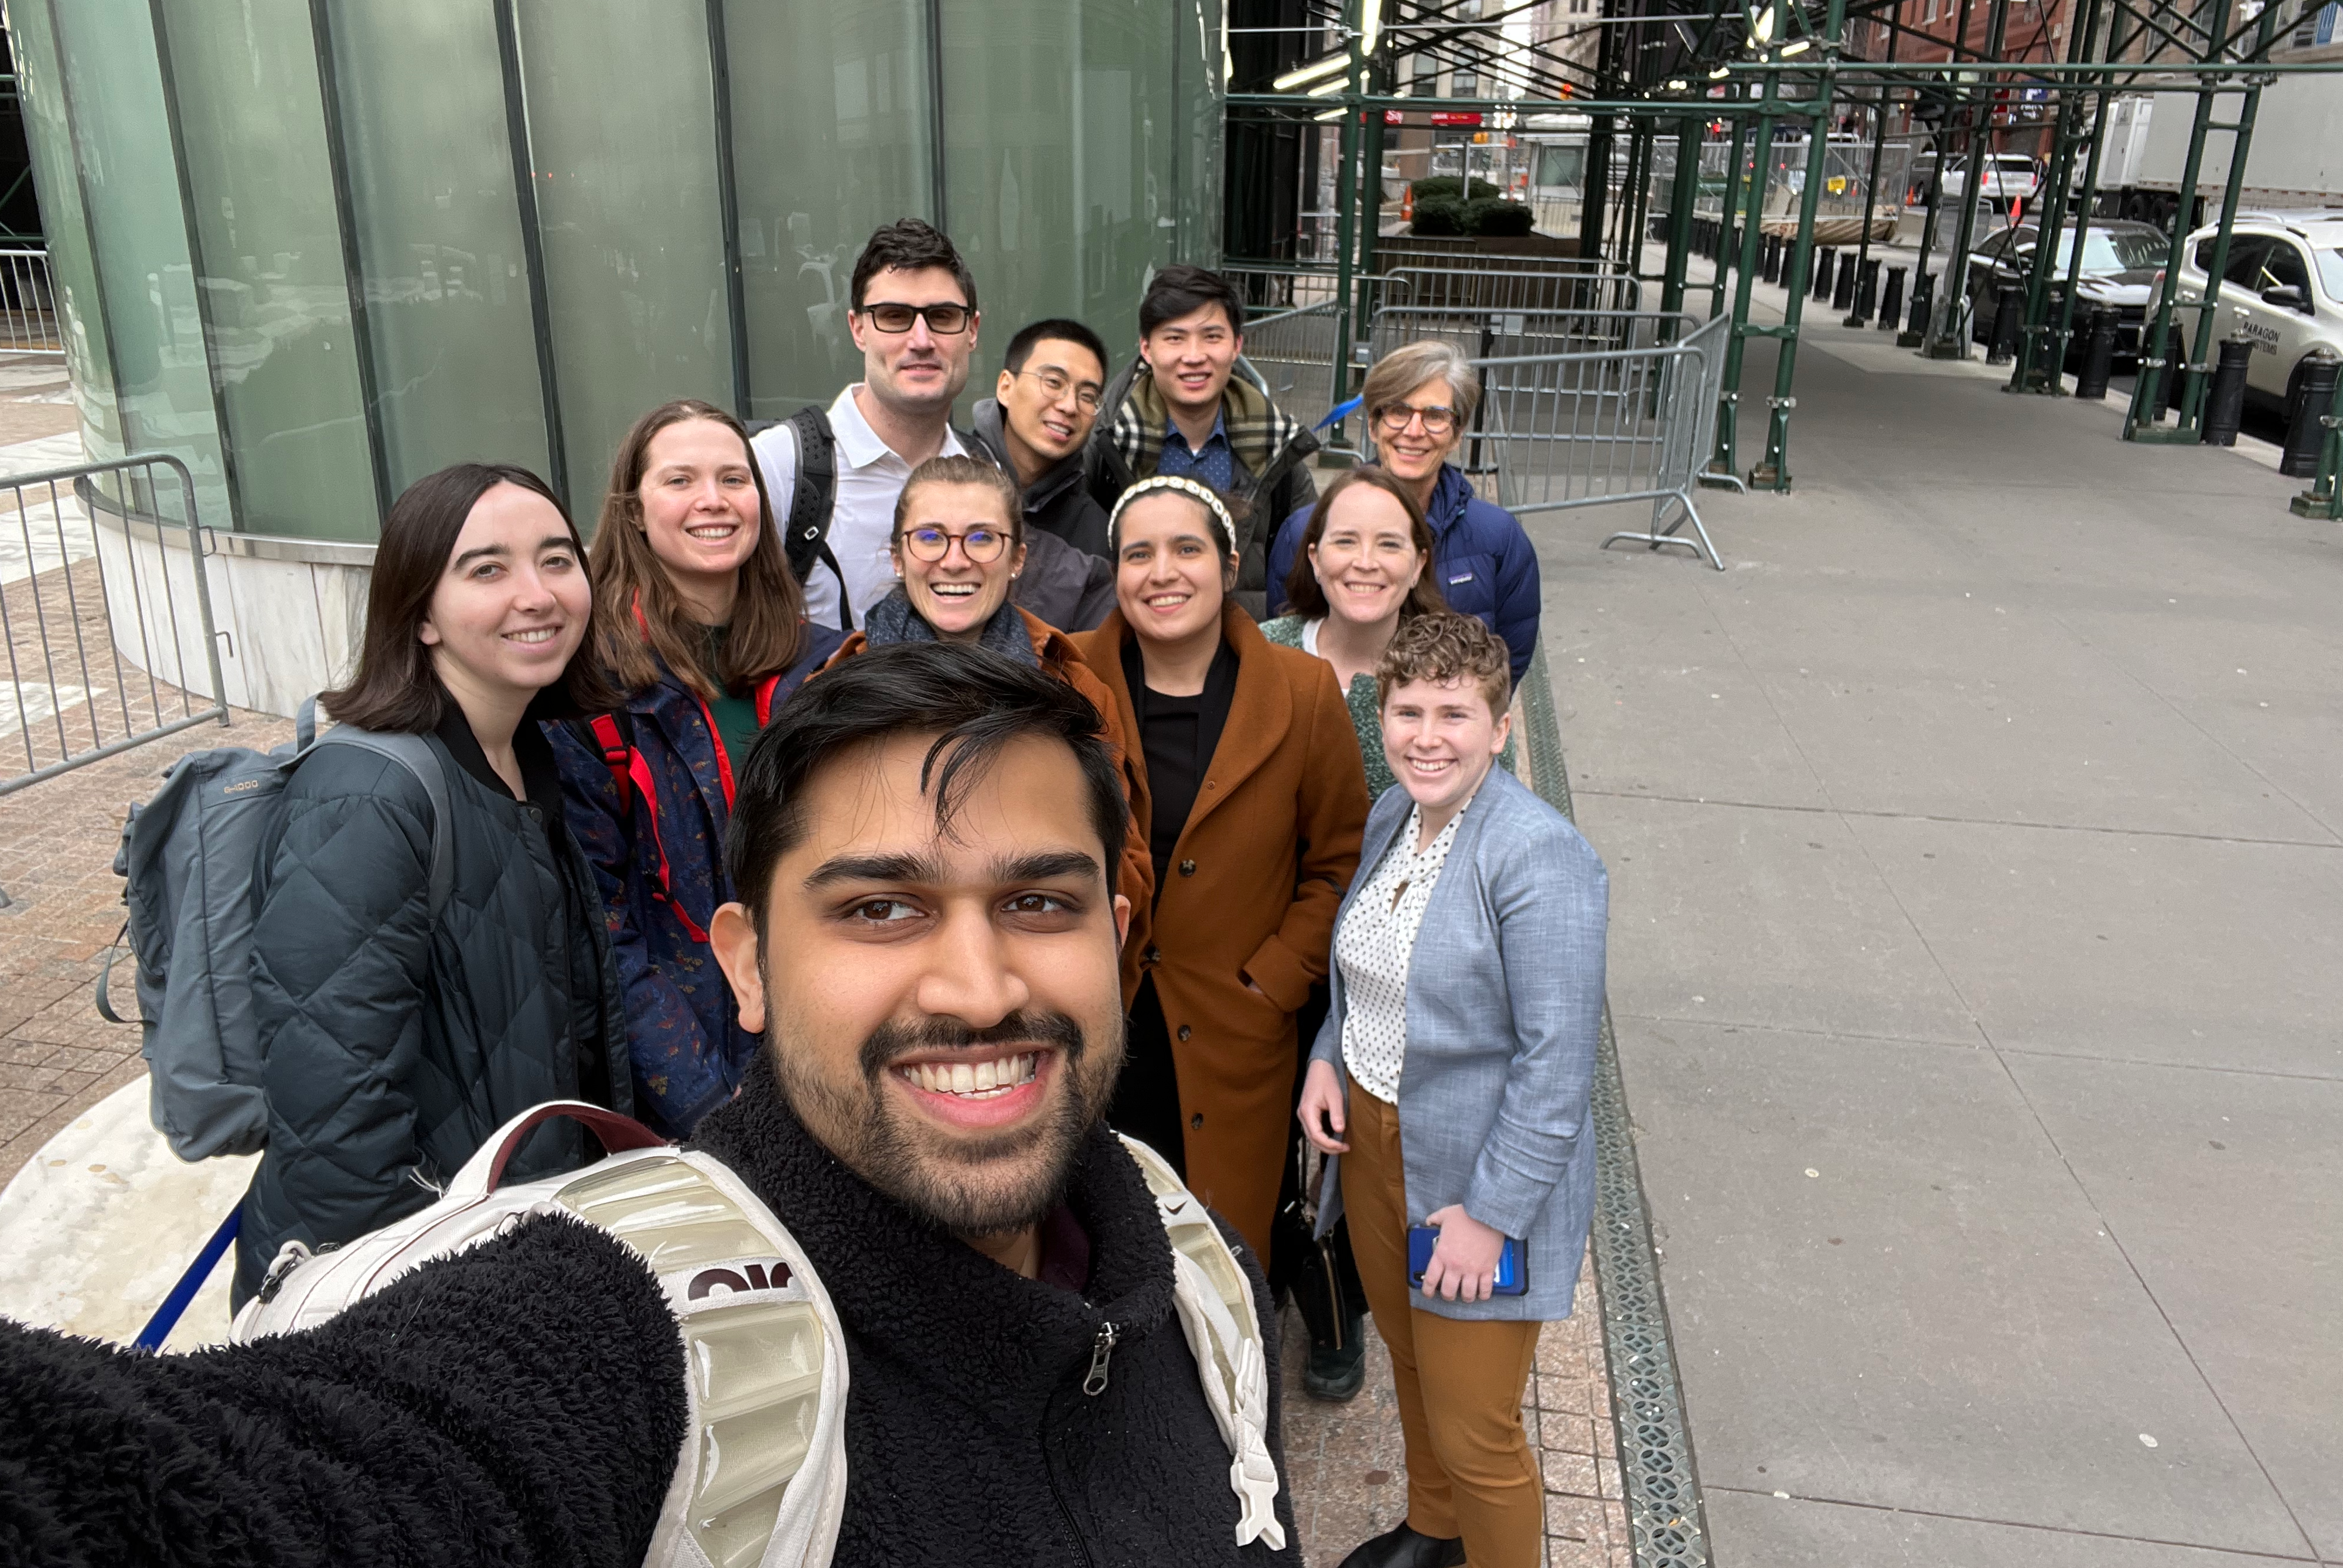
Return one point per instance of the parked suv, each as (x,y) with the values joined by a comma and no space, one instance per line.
(2120,260)
(2282,288)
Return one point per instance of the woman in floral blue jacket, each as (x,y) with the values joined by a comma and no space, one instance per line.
(703,627)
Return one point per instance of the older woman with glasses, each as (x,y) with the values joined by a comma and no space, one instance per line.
(1420,402)
(958,548)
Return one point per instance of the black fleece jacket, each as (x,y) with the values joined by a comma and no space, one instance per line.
(522,1404)
(519,1405)
(969,1439)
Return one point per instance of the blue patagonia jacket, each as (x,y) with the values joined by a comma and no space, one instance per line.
(1483,562)
(658,860)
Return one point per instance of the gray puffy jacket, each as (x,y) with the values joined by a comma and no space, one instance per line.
(395,1042)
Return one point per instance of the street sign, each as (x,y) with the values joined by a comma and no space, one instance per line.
(1444,118)
(1394,117)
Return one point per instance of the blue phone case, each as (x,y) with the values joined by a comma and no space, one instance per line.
(1512,1274)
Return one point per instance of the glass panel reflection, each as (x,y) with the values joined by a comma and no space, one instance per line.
(276,295)
(438,234)
(828,142)
(622,131)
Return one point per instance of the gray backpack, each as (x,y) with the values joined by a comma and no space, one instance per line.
(193,859)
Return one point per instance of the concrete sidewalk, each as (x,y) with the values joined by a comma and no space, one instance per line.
(1975,859)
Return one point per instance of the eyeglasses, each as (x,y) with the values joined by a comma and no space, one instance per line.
(1086,397)
(1438,419)
(943,320)
(982,545)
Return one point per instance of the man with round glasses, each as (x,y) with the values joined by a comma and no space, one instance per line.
(1037,422)
(913,313)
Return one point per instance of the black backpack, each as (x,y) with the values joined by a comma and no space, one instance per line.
(804,532)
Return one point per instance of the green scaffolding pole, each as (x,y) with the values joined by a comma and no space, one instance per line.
(2040,366)
(2142,423)
(1682,194)
(1774,473)
(1948,329)
(2089,200)
(1746,240)
(1724,226)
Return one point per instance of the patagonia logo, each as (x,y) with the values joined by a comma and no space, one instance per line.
(771,1274)
(1463,578)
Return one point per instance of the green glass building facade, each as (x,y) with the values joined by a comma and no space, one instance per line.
(319,249)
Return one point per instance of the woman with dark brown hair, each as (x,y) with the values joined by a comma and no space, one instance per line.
(704,630)
(1364,569)
(403,1015)
(1250,803)
(958,548)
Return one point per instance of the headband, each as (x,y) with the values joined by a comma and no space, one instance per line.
(1188,488)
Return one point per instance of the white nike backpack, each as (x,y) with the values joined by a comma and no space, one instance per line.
(761,1479)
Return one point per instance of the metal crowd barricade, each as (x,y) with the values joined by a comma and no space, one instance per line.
(28,306)
(1291,357)
(1502,334)
(1594,428)
(110,638)
(1563,283)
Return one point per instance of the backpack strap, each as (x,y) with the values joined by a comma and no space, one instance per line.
(762,1351)
(613,735)
(414,753)
(1222,1324)
(813,500)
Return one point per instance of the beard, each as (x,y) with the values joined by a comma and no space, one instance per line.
(969,1186)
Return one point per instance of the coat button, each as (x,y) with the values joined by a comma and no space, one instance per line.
(1183,1032)
(1196,1122)
(1187,868)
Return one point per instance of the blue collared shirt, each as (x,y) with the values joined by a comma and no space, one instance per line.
(1212,465)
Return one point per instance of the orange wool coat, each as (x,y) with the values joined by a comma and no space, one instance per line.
(1061,656)
(1261,868)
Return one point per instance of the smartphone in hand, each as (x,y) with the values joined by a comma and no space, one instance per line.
(1512,1274)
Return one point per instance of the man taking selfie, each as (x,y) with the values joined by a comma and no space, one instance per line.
(928,937)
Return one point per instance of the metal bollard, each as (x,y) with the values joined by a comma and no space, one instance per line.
(2307,431)
(1867,293)
(1772,271)
(2008,320)
(2225,405)
(2099,353)
(1891,308)
(1824,260)
(2176,367)
(1924,302)
(1842,287)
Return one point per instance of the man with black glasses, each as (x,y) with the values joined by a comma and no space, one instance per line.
(833,476)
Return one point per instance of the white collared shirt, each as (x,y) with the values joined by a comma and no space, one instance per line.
(862,519)
(1374,945)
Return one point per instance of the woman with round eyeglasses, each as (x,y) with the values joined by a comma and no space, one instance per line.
(1420,401)
(958,548)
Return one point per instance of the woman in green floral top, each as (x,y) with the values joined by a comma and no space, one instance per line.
(1364,569)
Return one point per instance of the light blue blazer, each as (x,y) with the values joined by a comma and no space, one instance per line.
(1505,1005)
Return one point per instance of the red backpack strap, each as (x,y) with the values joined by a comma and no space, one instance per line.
(632,774)
(616,754)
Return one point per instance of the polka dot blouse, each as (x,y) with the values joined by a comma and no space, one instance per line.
(1377,940)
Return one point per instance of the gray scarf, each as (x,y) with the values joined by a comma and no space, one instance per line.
(892,620)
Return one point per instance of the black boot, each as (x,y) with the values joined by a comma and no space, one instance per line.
(1405,1548)
(1337,1368)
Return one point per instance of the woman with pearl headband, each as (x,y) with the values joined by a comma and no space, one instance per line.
(1250,802)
